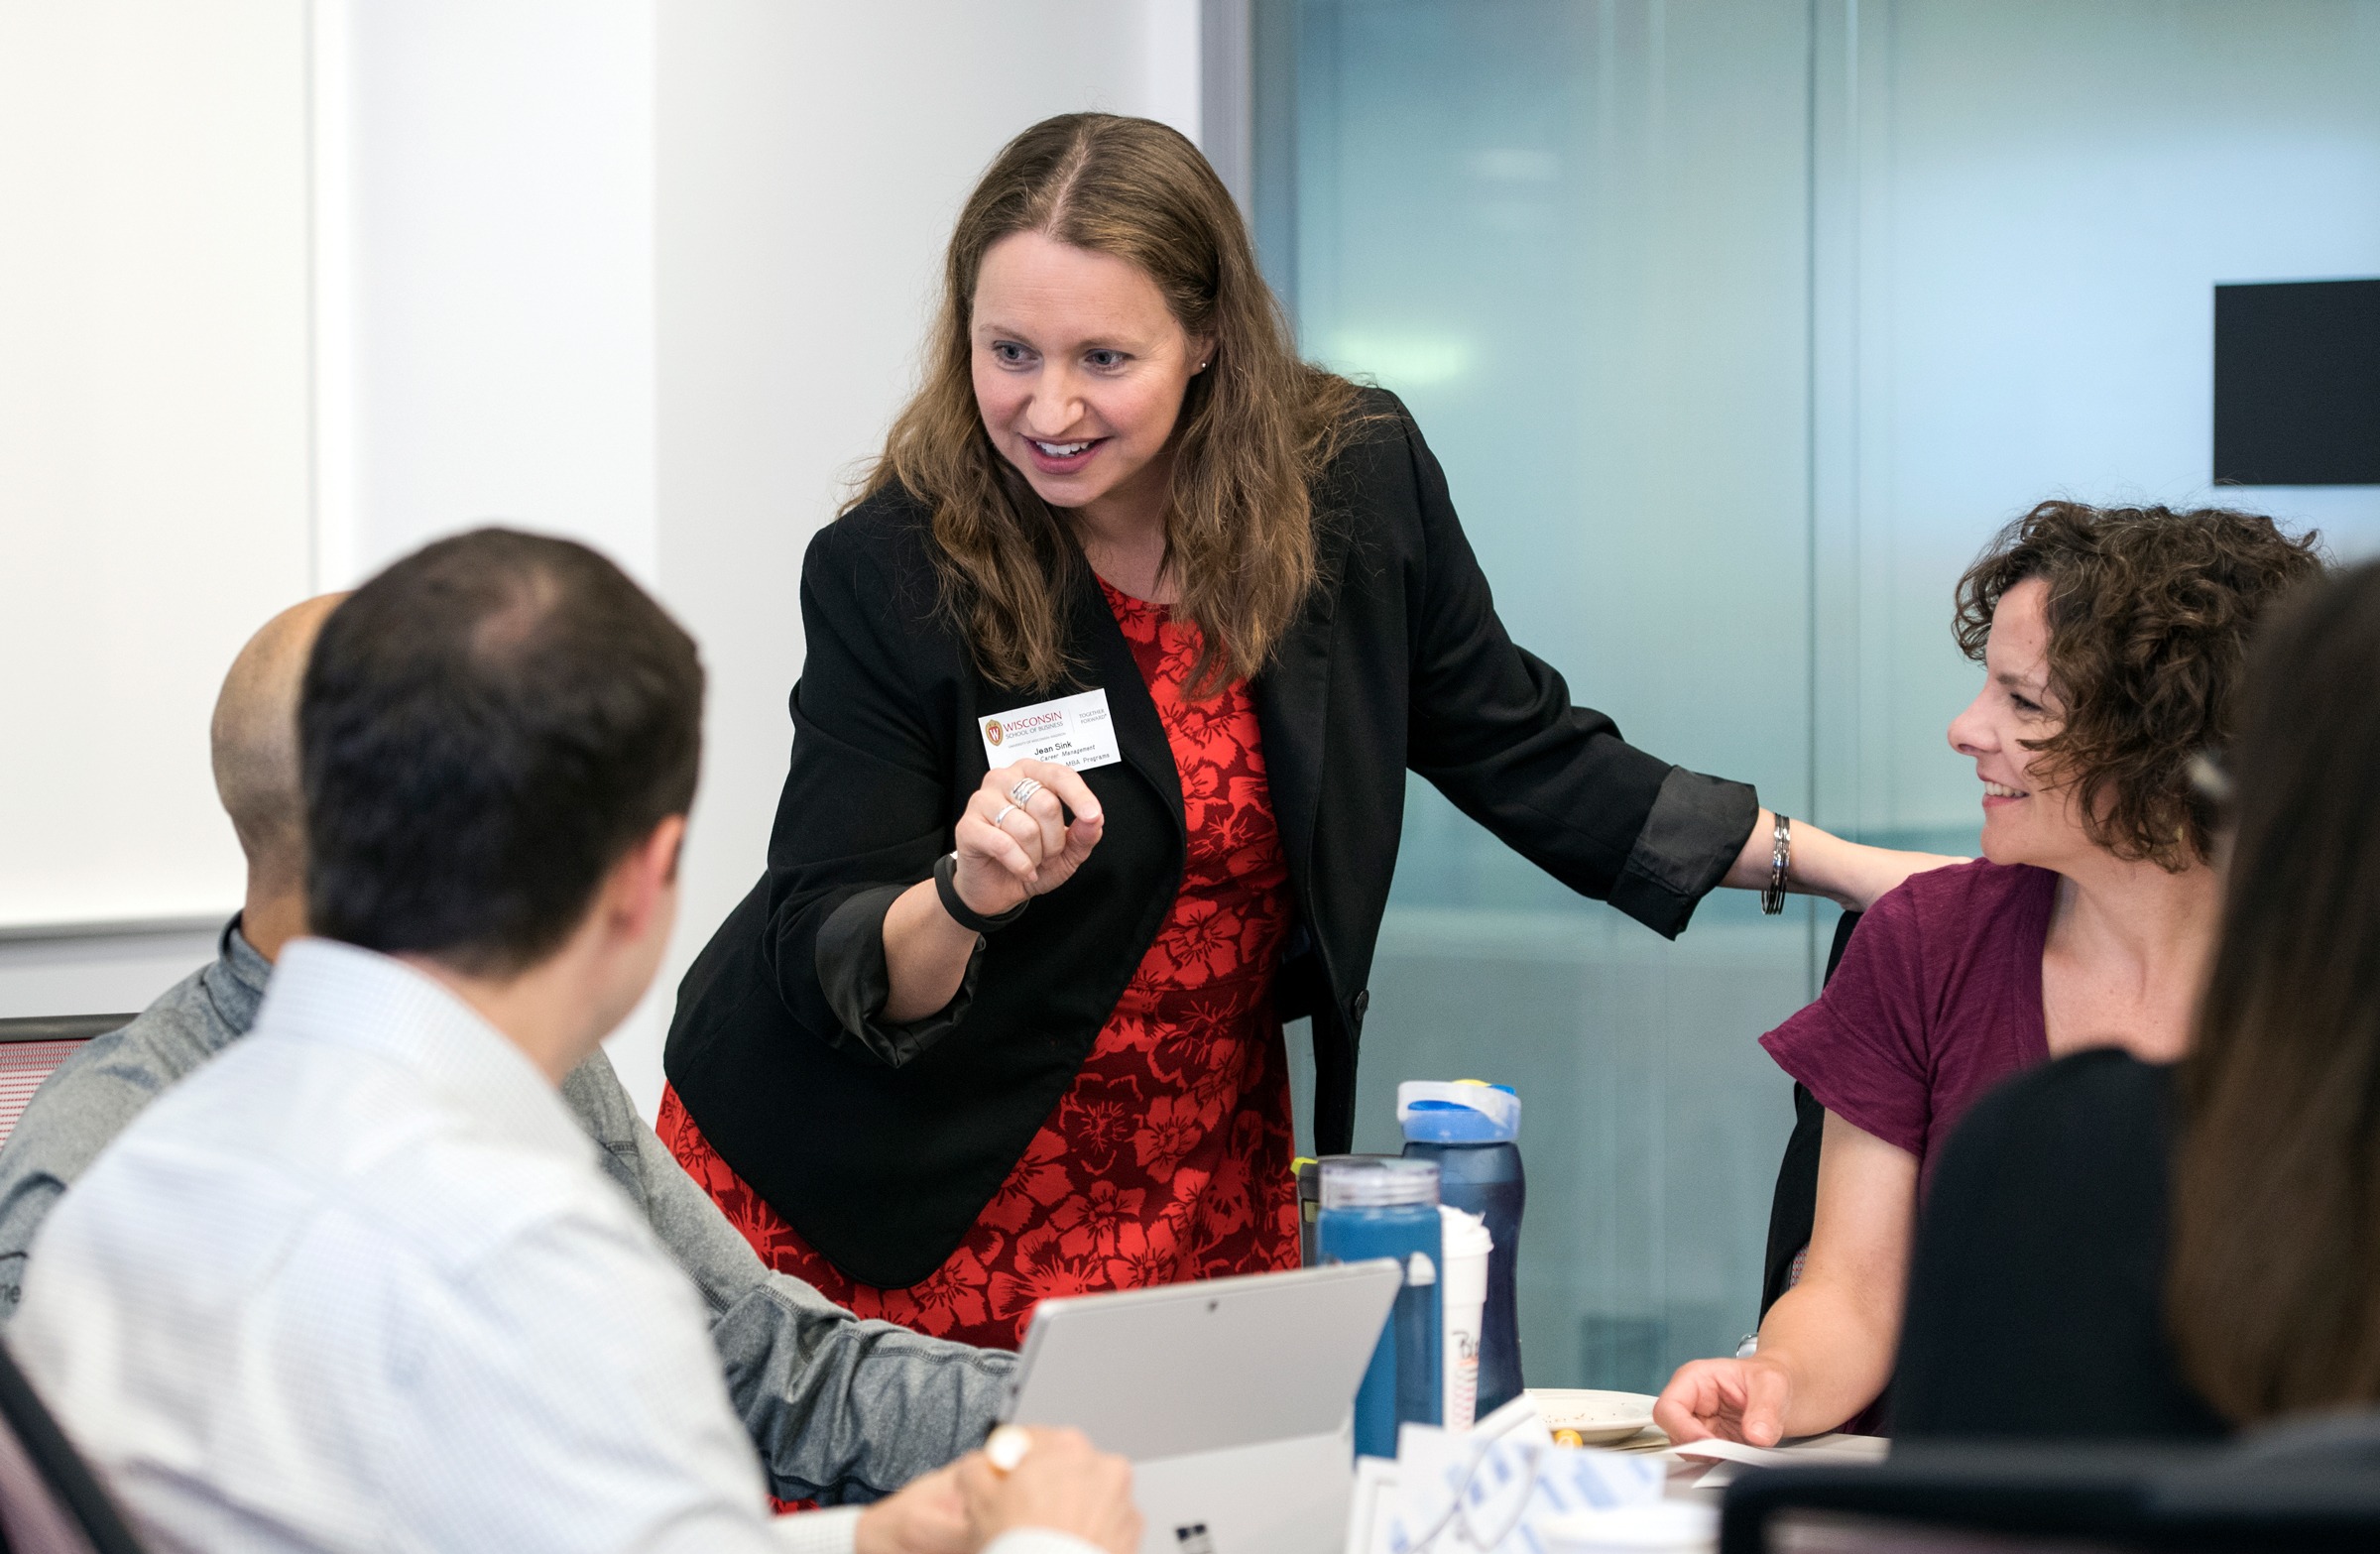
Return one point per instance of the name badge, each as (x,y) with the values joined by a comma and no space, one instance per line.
(1072,731)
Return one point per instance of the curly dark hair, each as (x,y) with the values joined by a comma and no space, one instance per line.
(2150,611)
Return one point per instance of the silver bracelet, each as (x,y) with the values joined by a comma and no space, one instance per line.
(1780,866)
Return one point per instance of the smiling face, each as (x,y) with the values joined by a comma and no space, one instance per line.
(1079,374)
(2025,820)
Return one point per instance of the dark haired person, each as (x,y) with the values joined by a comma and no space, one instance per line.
(939,1097)
(839,1408)
(2112,641)
(2115,1247)
(359,1282)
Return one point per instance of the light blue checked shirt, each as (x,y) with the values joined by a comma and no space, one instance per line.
(360,1283)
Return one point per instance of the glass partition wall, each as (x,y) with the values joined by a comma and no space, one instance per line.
(1738,327)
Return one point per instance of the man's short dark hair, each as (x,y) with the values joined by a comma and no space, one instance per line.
(487,727)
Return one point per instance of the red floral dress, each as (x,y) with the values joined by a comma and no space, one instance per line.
(1170,1157)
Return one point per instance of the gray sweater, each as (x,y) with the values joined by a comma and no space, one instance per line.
(839,1408)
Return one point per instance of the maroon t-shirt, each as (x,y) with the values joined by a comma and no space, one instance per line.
(1938,998)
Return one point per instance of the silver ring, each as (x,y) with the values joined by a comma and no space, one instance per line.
(1006,811)
(1023,790)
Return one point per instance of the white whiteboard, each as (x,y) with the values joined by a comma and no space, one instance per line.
(154,431)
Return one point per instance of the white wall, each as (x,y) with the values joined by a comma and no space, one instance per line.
(153,454)
(153,432)
(498,317)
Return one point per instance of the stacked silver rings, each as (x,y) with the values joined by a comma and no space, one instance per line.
(1020,795)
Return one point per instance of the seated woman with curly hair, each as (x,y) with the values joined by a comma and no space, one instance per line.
(2112,641)
(2223,1267)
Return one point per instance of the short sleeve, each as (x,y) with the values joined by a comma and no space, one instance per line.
(1862,1048)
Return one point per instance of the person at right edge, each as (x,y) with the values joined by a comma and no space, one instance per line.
(2128,1249)
(939,1098)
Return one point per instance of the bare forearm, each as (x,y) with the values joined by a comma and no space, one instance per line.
(925,954)
(1836,1350)
(1825,1348)
(1824,864)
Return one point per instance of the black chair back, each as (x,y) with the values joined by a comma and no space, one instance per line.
(1793,1210)
(50,1502)
(2267,1493)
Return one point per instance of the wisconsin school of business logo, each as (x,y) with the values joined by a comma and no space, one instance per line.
(992,731)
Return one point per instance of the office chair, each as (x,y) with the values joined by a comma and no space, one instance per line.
(29,1049)
(50,1502)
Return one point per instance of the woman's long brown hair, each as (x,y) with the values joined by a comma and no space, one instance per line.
(1256,427)
(2273,1284)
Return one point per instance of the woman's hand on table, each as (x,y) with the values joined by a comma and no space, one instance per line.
(1848,873)
(1010,852)
(1731,1399)
(1061,1484)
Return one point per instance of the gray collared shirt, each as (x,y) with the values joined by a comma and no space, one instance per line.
(839,1408)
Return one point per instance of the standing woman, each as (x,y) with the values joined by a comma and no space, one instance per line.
(1122,516)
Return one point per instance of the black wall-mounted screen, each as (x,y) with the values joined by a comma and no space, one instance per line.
(2297,384)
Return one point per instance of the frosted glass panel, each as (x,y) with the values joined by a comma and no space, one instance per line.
(1575,240)
(1739,327)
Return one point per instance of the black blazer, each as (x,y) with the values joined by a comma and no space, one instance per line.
(881,1143)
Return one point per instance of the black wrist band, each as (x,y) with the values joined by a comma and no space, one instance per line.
(966,917)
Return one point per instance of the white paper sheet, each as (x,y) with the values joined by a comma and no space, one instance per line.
(1816,1449)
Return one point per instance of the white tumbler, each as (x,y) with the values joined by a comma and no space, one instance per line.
(1463,1296)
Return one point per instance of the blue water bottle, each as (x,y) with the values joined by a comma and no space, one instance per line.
(1470,1131)
(1375,1206)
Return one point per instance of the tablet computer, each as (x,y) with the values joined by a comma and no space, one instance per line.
(1233,1397)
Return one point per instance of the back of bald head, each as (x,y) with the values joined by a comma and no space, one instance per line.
(255,741)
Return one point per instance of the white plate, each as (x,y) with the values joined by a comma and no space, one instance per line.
(1599,1417)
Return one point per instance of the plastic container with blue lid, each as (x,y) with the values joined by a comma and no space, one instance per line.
(1381,1206)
